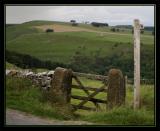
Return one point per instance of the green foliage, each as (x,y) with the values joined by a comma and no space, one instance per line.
(98,64)
(94,62)
(22,95)
(27,61)
(147,97)
(121,116)
(11,66)
(113,29)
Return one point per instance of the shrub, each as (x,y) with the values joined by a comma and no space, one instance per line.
(96,24)
(117,30)
(73,21)
(113,29)
(142,31)
(74,24)
(49,30)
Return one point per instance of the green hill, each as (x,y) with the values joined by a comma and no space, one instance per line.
(60,46)
(63,46)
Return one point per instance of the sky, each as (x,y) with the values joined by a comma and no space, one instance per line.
(113,15)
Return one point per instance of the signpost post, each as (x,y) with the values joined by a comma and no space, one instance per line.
(137,27)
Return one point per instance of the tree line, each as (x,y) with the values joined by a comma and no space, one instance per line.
(26,61)
(92,63)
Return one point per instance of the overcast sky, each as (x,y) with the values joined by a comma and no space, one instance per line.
(113,15)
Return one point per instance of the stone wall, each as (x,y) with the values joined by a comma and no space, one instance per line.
(42,79)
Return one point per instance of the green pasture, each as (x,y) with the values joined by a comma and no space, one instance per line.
(60,47)
(22,95)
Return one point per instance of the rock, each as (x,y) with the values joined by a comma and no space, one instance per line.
(13,73)
(50,73)
(7,72)
(29,74)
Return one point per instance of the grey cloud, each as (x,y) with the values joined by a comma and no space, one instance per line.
(111,14)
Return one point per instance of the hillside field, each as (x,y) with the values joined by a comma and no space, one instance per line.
(30,38)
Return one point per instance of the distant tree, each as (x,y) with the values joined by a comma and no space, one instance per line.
(116,44)
(96,24)
(72,21)
(113,29)
(74,24)
(49,30)
(142,31)
(117,30)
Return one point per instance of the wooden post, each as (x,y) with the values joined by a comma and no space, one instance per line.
(137,28)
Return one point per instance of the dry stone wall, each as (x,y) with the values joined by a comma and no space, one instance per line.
(42,79)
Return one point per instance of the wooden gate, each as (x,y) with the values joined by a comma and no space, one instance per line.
(113,86)
(90,96)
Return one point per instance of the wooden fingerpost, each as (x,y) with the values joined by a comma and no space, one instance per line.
(61,85)
(137,28)
(116,88)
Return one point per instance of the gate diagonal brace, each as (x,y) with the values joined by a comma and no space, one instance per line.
(89,97)
(86,91)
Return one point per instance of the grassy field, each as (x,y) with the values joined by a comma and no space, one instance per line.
(22,95)
(61,46)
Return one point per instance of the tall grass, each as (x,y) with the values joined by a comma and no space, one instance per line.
(121,116)
(22,95)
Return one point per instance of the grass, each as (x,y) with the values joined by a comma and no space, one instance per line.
(121,116)
(61,46)
(22,95)
(11,66)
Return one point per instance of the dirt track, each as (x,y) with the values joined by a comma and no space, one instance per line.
(14,117)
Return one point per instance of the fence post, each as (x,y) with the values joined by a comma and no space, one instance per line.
(116,88)
(61,85)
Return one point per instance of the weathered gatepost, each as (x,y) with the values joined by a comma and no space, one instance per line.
(116,88)
(61,85)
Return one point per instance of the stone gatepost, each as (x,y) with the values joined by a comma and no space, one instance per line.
(61,85)
(116,88)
